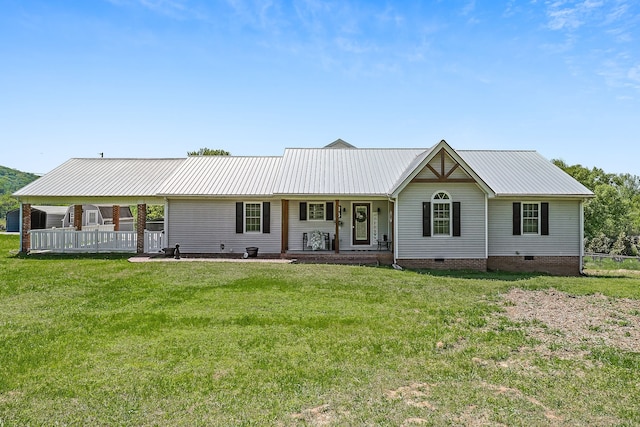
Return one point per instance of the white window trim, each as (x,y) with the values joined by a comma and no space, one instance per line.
(324,211)
(433,217)
(528,233)
(90,213)
(244,217)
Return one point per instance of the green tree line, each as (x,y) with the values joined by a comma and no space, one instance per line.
(11,180)
(612,217)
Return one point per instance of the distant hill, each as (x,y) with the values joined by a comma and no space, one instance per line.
(10,181)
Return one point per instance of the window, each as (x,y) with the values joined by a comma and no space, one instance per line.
(252,217)
(92,217)
(530,218)
(316,211)
(441,205)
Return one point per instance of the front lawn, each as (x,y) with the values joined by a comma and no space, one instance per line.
(96,340)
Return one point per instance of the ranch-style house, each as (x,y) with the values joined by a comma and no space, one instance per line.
(436,208)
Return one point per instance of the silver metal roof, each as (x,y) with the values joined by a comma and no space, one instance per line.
(362,171)
(522,173)
(300,172)
(223,176)
(103,178)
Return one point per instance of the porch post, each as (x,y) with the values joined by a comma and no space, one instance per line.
(284,243)
(336,216)
(77,217)
(116,217)
(140,226)
(25,237)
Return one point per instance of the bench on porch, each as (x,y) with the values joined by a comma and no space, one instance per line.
(316,240)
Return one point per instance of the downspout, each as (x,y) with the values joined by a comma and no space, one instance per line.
(581,236)
(486,227)
(395,231)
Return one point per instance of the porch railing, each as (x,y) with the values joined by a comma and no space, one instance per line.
(70,240)
(153,241)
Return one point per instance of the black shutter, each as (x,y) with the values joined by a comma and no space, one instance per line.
(266,217)
(456,219)
(544,219)
(516,219)
(239,217)
(329,211)
(426,219)
(303,211)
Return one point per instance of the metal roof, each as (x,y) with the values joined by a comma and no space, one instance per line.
(102,178)
(300,172)
(522,173)
(362,171)
(223,176)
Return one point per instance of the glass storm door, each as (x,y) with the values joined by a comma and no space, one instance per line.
(361,224)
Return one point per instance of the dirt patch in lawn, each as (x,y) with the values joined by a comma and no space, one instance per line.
(568,323)
(319,416)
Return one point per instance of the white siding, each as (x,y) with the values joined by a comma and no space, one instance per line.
(201,226)
(410,242)
(564,230)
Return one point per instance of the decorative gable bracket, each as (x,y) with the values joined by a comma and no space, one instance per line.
(445,172)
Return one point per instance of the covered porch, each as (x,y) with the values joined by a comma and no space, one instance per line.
(80,237)
(313,228)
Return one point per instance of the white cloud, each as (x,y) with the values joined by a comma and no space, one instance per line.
(634,74)
(353,46)
(469,7)
(570,15)
(175,9)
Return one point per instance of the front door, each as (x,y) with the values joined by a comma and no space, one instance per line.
(361,224)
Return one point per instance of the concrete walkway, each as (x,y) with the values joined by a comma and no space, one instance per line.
(182,259)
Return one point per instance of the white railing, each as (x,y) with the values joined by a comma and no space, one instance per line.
(153,241)
(70,240)
(99,227)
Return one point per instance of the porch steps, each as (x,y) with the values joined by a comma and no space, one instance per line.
(351,258)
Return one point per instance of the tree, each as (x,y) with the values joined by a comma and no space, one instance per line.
(10,181)
(590,178)
(624,245)
(208,152)
(608,212)
(615,209)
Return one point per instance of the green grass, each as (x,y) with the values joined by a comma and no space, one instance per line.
(96,340)
(608,264)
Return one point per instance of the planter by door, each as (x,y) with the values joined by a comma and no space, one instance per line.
(361,224)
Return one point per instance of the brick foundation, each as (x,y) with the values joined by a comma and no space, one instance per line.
(355,258)
(477,264)
(556,265)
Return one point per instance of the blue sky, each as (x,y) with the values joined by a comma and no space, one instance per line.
(158,78)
